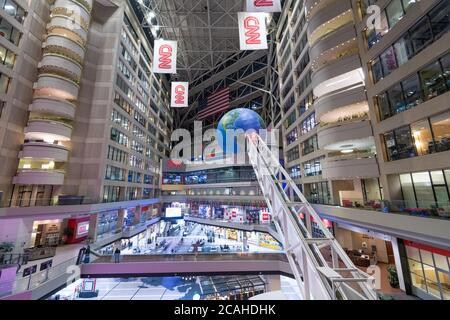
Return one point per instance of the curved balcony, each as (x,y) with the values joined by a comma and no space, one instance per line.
(47,130)
(60,65)
(57,87)
(335,102)
(352,135)
(40,177)
(338,45)
(60,44)
(81,7)
(340,74)
(350,167)
(331,18)
(42,150)
(54,106)
(73,24)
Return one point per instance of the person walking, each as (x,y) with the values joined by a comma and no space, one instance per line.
(87,254)
(117,255)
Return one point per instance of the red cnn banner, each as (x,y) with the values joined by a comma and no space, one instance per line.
(165,57)
(180,96)
(252,30)
(264,5)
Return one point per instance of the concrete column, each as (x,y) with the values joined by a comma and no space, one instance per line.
(121,219)
(137,215)
(273,283)
(398,263)
(93,224)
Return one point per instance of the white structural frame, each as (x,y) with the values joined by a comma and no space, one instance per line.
(317,278)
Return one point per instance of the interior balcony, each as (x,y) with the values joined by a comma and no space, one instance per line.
(61,65)
(50,85)
(331,18)
(39,176)
(63,45)
(48,131)
(332,47)
(73,24)
(66,32)
(42,150)
(346,136)
(349,166)
(347,102)
(338,75)
(81,7)
(50,105)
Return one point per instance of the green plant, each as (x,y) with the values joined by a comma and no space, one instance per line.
(393,276)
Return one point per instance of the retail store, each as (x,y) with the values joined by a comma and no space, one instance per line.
(428,269)
(46,233)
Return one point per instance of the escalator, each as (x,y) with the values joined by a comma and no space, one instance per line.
(321,267)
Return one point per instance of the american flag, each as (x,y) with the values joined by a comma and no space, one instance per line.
(217,102)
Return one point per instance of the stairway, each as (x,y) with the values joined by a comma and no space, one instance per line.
(319,278)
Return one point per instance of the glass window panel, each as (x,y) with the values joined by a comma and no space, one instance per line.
(423,139)
(418,281)
(396,99)
(388,61)
(437,177)
(441,261)
(383,106)
(439,18)
(377,70)
(403,50)
(445,284)
(410,201)
(404,143)
(408,3)
(412,92)
(433,81)
(445,61)
(394,12)
(433,288)
(427,258)
(412,253)
(441,196)
(421,34)
(441,130)
(447,178)
(424,191)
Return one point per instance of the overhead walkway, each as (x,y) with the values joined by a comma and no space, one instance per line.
(317,278)
(201,264)
(237,226)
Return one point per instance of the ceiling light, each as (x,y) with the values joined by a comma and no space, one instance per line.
(347,151)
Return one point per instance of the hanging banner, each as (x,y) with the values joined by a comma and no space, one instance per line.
(165,57)
(179,96)
(263,6)
(252,30)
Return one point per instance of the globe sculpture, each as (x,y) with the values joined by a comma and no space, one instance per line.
(238,119)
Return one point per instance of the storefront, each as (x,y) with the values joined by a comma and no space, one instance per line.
(232,234)
(107,222)
(76,230)
(46,233)
(267,241)
(428,268)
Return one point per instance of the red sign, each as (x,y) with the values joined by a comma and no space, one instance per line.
(252,31)
(165,57)
(252,27)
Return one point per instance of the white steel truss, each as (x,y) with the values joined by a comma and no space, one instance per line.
(317,277)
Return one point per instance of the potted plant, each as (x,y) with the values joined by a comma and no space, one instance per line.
(393,276)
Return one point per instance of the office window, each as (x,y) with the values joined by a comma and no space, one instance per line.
(441,130)
(439,18)
(377,70)
(421,34)
(423,138)
(292,136)
(411,88)
(9,32)
(396,99)
(394,12)
(433,81)
(403,50)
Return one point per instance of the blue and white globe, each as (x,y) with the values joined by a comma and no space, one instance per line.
(237,119)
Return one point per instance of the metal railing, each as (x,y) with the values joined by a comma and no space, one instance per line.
(316,277)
